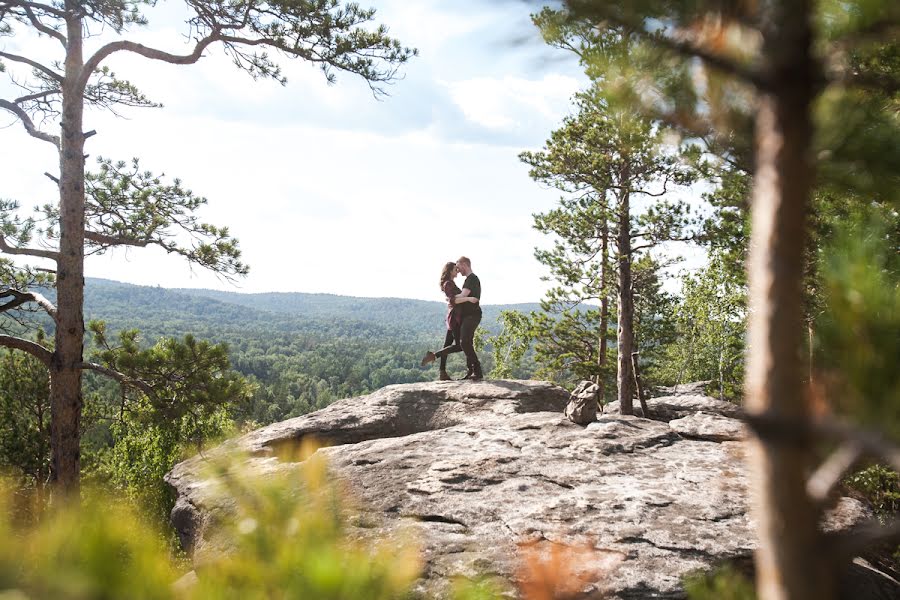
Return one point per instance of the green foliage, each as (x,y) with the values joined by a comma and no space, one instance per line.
(100,550)
(725,583)
(654,320)
(290,541)
(130,437)
(175,378)
(566,346)
(881,486)
(511,344)
(710,324)
(726,231)
(24,417)
(143,451)
(184,397)
(859,330)
(289,535)
(605,160)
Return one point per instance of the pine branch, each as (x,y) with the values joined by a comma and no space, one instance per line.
(36,96)
(829,475)
(124,45)
(109,240)
(28,123)
(32,348)
(19,298)
(34,64)
(797,432)
(7,249)
(42,27)
(120,377)
(45,8)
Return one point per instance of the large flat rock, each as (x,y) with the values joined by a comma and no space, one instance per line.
(479,471)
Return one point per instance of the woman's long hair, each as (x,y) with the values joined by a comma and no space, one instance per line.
(447,273)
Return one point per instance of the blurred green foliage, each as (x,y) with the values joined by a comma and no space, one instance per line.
(881,486)
(859,326)
(725,583)
(287,538)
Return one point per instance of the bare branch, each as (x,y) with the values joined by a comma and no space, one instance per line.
(32,348)
(120,377)
(52,178)
(178,59)
(19,298)
(36,96)
(42,27)
(794,431)
(28,123)
(46,70)
(46,8)
(828,476)
(6,248)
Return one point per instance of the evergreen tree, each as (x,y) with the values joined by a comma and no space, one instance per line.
(807,66)
(607,159)
(86,216)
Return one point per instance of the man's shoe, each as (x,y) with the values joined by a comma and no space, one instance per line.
(469,373)
(444,376)
(429,358)
(477,375)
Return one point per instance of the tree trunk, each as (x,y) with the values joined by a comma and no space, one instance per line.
(604,309)
(789,561)
(625,337)
(65,371)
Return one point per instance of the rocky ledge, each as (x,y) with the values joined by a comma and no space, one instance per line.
(481,470)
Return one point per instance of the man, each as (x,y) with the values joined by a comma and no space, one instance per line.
(471,317)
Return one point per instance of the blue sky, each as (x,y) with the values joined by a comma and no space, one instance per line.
(328,189)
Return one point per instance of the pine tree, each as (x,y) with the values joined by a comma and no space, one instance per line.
(605,160)
(86,217)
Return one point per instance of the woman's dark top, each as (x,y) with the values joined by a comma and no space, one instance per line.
(454,312)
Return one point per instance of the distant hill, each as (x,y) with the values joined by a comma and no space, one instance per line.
(302,350)
(420,316)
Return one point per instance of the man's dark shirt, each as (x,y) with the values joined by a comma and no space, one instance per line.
(473,284)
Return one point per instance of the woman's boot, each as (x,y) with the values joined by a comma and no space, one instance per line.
(444,376)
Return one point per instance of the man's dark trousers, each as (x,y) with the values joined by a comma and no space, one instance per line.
(467,341)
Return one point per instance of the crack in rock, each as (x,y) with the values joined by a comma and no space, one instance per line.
(433,518)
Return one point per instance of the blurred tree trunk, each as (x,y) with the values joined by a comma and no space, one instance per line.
(788,563)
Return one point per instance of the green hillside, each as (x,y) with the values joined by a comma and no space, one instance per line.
(303,350)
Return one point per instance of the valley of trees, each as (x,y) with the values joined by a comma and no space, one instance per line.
(779,120)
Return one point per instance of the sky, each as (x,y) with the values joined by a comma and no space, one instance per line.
(328,189)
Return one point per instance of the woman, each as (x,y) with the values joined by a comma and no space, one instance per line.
(454,319)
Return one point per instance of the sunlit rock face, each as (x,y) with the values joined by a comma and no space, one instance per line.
(489,474)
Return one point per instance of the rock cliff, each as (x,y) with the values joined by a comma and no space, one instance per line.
(480,469)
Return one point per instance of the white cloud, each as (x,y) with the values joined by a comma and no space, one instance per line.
(327,190)
(508,102)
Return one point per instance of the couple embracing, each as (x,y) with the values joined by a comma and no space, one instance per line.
(463,317)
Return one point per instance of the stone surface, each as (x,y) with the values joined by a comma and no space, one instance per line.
(482,472)
(669,408)
(709,426)
(582,407)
